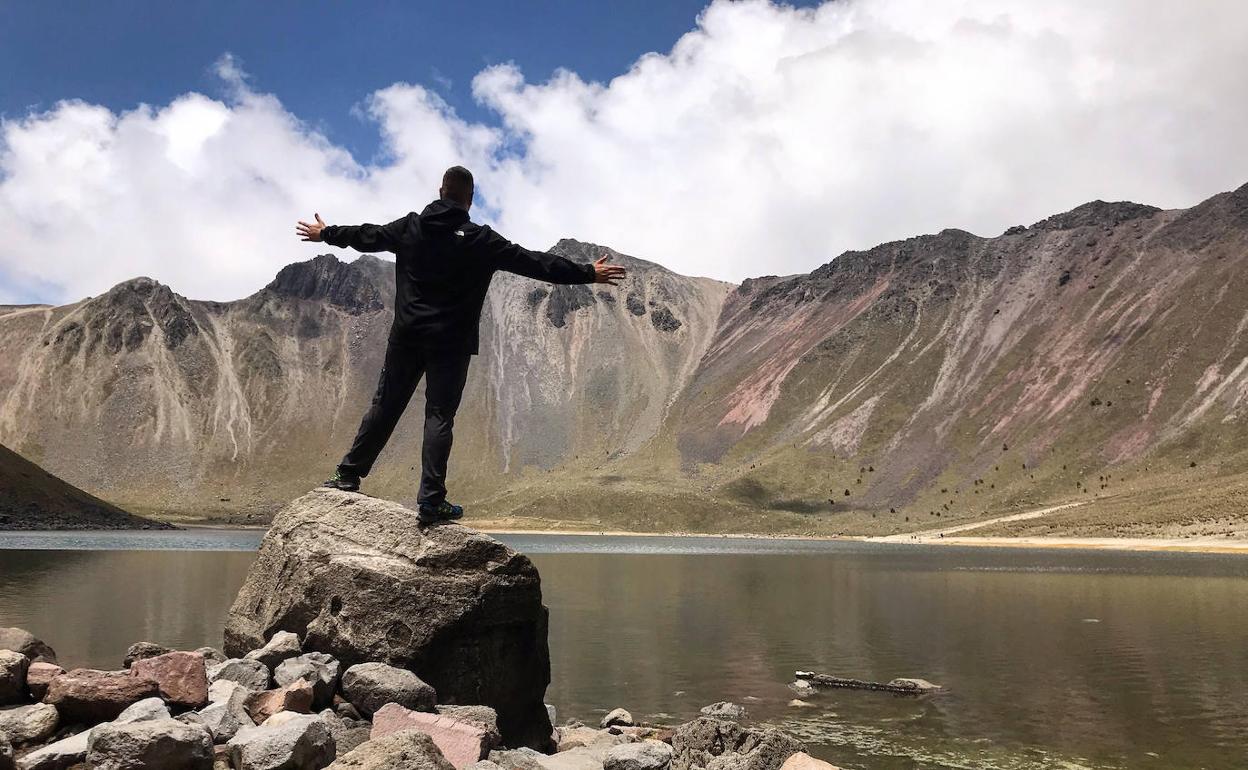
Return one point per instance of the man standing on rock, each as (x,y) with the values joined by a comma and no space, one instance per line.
(444,264)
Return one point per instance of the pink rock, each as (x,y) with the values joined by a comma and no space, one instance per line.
(460,741)
(296,696)
(39,676)
(803,761)
(88,696)
(182,677)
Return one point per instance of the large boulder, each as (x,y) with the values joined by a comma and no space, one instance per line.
(406,750)
(360,579)
(89,696)
(21,640)
(13,667)
(150,744)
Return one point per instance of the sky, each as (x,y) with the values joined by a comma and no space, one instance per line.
(181,141)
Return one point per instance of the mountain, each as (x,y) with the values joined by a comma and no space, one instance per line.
(1096,357)
(35,499)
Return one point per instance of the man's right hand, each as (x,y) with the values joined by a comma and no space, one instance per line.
(608,274)
(311,231)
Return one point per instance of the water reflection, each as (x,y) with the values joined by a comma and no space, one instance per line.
(1051,659)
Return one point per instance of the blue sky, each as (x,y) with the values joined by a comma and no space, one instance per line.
(320,58)
(738,139)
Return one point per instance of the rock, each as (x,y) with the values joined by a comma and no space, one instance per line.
(484,764)
(317,669)
(296,696)
(723,710)
(212,655)
(918,685)
(369,686)
(251,674)
(573,737)
(461,741)
(802,687)
(803,761)
(224,689)
(550,713)
(21,640)
(359,579)
(29,724)
(141,650)
(643,755)
(143,711)
(158,743)
(618,718)
(348,733)
(88,696)
(6,755)
(39,675)
(518,759)
(13,667)
(347,711)
(281,646)
(225,717)
(720,744)
(404,750)
(303,743)
(581,758)
(73,750)
(482,715)
(798,703)
(181,677)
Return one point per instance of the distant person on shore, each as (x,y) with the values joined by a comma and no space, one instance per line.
(444,263)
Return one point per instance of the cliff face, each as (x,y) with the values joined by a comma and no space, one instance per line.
(1092,356)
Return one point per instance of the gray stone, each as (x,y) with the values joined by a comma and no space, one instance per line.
(316,668)
(28,724)
(21,640)
(618,718)
(581,758)
(720,744)
(281,646)
(360,579)
(369,686)
(575,736)
(348,733)
(724,710)
(404,750)
(251,674)
(224,689)
(159,743)
(482,715)
(224,718)
(212,655)
(517,759)
(144,710)
(483,764)
(12,676)
(6,755)
(302,743)
(346,710)
(643,755)
(141,650)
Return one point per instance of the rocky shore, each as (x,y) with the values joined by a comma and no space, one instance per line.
(359,640)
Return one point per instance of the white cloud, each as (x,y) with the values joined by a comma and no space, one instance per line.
(767,141)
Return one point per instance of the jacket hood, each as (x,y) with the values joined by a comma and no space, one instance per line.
(444,214)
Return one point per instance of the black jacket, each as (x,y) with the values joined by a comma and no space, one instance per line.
(443,269)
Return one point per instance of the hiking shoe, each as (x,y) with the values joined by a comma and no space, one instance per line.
(344,481)
(443,512)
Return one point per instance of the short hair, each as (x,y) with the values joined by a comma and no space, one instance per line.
(457,184)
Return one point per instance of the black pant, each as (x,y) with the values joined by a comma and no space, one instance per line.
(445,374)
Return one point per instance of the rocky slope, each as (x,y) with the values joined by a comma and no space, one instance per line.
(32,498)
(1097,356)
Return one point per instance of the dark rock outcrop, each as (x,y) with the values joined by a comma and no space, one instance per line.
(341,284)
(358,578)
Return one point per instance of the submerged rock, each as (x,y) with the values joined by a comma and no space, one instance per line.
(723,710)
(361,580)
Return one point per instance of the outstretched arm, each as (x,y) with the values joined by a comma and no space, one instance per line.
(364,237)
(551,268)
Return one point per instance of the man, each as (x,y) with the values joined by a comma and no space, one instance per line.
(444,264)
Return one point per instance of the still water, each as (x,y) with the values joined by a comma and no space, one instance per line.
(1051,659)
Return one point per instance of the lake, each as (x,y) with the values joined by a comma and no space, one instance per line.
(1050,658)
